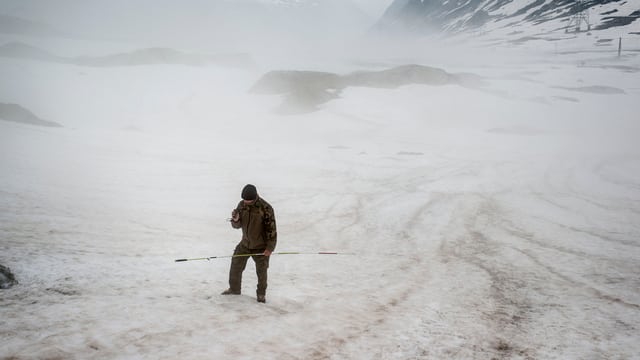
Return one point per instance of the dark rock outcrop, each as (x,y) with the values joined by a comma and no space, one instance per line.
(7,279)
(305,90)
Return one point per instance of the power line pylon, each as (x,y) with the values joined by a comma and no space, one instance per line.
(576,20)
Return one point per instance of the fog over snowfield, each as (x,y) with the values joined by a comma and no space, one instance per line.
(483,193)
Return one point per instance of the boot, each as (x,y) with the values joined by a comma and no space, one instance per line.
(230,292)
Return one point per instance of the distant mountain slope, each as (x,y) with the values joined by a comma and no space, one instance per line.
(16,113)
(428,16)
(209,24)
(18,26)
(148,56)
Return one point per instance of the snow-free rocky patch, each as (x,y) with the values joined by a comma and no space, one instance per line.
(305,90)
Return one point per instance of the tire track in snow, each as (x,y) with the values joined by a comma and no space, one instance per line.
(568,188)
(379,309)
(627,184)
(508,312)
(518,289)
(573,281)
(530,237)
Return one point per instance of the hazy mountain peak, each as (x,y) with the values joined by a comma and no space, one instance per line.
(453,16)
(213,25)
(289,3)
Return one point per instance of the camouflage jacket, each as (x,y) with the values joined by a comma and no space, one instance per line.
(258,223)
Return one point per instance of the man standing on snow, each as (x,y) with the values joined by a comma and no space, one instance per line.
(258,223)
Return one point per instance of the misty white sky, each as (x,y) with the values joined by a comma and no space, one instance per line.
(374,8)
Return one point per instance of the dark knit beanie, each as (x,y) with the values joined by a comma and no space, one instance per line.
(249,192)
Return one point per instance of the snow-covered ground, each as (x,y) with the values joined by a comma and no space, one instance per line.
(498,222)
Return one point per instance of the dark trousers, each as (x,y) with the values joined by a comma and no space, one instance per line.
(239,263)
